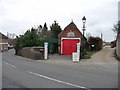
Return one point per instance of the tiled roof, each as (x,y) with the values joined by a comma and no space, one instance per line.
(71,26)
(3,36)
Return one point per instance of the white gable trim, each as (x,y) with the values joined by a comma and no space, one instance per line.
(3,43)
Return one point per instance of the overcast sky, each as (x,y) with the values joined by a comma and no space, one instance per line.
(17,16)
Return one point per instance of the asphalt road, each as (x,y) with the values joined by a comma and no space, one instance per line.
(19,72)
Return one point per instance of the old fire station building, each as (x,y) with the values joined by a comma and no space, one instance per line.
(68,39)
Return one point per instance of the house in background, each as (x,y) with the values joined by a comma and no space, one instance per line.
(68,39)
(11,43)
(3,42)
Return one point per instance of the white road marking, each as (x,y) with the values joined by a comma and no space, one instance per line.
(10,64)
(49,78)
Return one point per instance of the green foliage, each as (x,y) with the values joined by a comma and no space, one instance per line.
(55,30)
(30,38)
(116,28)
(36,37)
(90,53)
(18,45)
(96,41)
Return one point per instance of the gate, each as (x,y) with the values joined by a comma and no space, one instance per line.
(69,46)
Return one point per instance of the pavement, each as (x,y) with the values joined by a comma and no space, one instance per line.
(57,72)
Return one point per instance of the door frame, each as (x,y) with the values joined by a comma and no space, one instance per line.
(67,38)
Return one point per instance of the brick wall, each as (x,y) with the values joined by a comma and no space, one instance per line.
(70,28)
(66,31)
(31,52)
(73,29)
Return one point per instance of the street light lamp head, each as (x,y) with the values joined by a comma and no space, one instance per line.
(84,19)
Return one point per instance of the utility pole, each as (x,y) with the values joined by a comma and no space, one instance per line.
(101,36)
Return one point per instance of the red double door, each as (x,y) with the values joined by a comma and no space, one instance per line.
(69,46)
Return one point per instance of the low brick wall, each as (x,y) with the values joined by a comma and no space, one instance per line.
(36,53)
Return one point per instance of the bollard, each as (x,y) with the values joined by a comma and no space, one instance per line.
(45,50)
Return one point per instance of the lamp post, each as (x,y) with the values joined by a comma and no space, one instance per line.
(83,39)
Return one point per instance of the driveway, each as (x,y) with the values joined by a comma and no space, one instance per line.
(106,55)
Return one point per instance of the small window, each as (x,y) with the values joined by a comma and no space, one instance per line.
(71,34)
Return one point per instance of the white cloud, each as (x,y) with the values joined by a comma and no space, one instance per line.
(19,15)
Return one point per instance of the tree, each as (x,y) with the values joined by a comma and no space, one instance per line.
(17,45)
(39,30)
(55,30)
(116,28)
(96,41)
(45,30)
(30,38)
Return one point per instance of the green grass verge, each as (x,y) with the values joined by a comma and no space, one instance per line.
(90,53)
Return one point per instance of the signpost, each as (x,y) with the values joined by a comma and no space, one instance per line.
(76,55)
